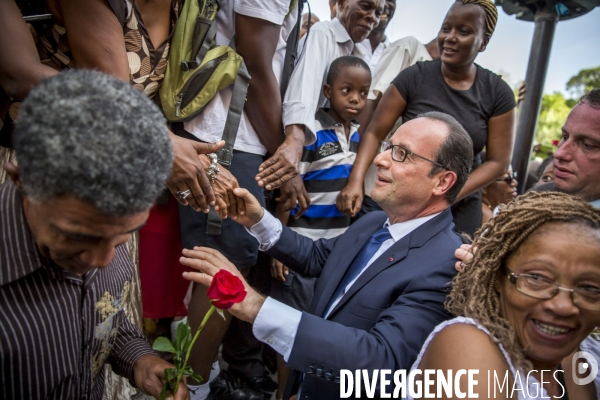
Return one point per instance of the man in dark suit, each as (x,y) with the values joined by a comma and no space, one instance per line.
(382,283)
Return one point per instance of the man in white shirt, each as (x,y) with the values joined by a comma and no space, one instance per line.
(374,45)
(377,297)
(326,41)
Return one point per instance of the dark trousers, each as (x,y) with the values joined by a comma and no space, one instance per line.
(241,350)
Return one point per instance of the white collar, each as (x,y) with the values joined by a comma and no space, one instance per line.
(340,33)
(401,229)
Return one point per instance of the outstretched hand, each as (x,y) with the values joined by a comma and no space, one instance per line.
(210,261)
(294,192)
(283,165)
(253,211)
(188,172)
(278,169)
(226,204)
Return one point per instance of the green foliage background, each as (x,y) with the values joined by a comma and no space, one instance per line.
(555,108)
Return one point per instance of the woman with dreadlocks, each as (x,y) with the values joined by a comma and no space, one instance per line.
(479,99)
(526,300)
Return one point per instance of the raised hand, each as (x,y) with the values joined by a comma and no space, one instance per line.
(253,209)
(188,172)
(283,165)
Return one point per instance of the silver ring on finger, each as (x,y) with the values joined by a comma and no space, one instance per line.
(184,194)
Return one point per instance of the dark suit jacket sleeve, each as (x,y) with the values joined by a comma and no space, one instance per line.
(393,342)
(300,253)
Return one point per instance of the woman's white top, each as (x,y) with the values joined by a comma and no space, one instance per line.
(591,345)
(523,387)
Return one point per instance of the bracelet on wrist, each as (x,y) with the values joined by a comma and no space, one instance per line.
(213,169)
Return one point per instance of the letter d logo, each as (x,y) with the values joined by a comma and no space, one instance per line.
(584,367)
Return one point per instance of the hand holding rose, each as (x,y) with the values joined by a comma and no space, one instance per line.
(209,262)
(225,290)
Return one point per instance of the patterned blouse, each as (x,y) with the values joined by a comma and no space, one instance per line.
(147,65)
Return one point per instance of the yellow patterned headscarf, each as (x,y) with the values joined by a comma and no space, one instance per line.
(491,14)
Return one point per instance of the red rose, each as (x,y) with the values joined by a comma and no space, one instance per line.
(225,290)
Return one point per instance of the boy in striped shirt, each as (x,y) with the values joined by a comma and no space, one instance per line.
(326,164)
(325,168)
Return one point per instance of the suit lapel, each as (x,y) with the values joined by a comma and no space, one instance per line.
(397,253)
(329,281)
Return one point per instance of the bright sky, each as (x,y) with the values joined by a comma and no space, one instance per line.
(576,42)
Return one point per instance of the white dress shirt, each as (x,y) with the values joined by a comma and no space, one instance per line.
(276,323)
(326,41)
(372,57)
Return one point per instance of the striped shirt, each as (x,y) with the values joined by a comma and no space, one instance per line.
(325,168)
(57,329)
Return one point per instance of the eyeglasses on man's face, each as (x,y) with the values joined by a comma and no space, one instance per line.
(508,179)
(540,287)
(399,153)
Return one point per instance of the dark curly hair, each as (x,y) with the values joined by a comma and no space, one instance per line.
(473,293)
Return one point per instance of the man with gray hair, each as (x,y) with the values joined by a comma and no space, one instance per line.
(93,156)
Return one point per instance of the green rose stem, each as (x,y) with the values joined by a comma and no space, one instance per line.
(210,312)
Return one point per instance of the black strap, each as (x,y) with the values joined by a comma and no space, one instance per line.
(291,52)
(234,115)
(206,43)
(232,124)
(205,31)
(213,223)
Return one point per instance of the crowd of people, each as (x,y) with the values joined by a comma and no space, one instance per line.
(367,205)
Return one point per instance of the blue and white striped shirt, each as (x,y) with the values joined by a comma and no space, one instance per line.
(325,167)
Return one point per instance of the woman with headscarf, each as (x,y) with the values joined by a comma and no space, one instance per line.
(479,99)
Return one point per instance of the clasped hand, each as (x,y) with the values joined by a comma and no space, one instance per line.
(189,173)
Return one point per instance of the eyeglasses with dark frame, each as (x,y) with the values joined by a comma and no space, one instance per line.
(540,287)
(508,179)
(399,153)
